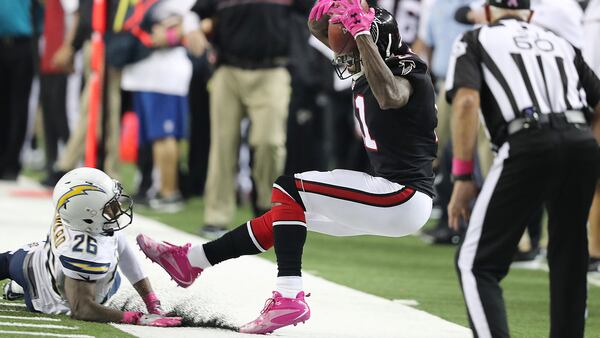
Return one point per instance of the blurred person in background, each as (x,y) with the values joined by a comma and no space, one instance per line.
(160,84)
(192,182)
(311,76)
(435,42)
(252,41)
(408,13)
(108,123)
(591,53)
(59,91)
(16,75)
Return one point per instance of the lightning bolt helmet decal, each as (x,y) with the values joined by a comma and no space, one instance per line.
(76,190)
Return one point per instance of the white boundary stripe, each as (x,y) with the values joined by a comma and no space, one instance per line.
(471,243)
(12,304)
(40,326)
(10,310)
(44,319)
(44,334)
(289,223)
(254,240)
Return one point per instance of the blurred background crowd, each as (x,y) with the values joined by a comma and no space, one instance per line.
(217,98)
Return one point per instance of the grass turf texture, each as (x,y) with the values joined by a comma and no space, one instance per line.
(407,268)
(84,328)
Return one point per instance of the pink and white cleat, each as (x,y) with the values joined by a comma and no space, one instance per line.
(279,312)
(172,258)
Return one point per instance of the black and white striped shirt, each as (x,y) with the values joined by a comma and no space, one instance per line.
(520,69)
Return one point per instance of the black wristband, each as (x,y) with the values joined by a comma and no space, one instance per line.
(464,177)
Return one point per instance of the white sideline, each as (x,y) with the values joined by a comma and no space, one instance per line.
(234,292)
(12,304)
(43,334)
(39,326)
(42,319)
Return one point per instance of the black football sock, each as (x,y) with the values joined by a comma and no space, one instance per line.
(233,244)
(289,244)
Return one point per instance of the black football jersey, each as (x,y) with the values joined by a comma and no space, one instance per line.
(401,143)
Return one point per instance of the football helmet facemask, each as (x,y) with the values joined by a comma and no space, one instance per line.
(88,200)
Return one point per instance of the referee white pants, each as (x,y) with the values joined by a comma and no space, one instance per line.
(350,203)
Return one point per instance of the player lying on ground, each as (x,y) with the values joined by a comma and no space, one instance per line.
(394,100)
(75,270)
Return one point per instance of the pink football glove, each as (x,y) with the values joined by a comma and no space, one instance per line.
(139,318)
(350,14)
(153,304)
(320,8)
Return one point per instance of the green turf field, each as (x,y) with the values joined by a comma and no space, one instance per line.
(407,268)
(61,325)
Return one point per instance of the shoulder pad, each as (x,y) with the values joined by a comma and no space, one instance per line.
(403,65)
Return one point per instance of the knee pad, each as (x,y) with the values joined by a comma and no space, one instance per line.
(287,204)
(286,185)
(261,229)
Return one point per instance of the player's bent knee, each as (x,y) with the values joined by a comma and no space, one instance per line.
(287,186)
(287,204)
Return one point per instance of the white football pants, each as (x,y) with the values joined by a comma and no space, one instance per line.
(350,203)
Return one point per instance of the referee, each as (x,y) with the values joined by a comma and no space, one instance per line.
(535,92)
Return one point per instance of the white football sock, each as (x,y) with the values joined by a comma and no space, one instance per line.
(289,286)
(197,257)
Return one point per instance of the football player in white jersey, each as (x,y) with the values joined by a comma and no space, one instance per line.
(75,270)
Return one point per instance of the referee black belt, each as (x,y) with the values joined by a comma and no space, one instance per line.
(552,120)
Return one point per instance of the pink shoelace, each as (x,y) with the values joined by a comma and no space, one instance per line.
(269,303)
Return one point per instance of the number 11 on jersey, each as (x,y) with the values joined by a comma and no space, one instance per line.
(359,103)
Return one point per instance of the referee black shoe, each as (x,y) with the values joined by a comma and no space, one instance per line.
(441,234)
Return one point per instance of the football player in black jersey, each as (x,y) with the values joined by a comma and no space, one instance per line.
(394,101)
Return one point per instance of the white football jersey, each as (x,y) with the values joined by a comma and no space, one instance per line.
(76,255)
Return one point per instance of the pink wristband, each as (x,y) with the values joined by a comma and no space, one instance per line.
(130,317)
(461,167)
(150,298)
(172,38)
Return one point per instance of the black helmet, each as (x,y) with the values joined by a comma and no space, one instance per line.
(385,34)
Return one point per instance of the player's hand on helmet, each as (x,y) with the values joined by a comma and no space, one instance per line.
(351,14)
(463,194)
(139,318)
(320,9)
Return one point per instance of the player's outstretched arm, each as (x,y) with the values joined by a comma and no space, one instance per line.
(390,91)
(81,297)
(130,266)
(144,289)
